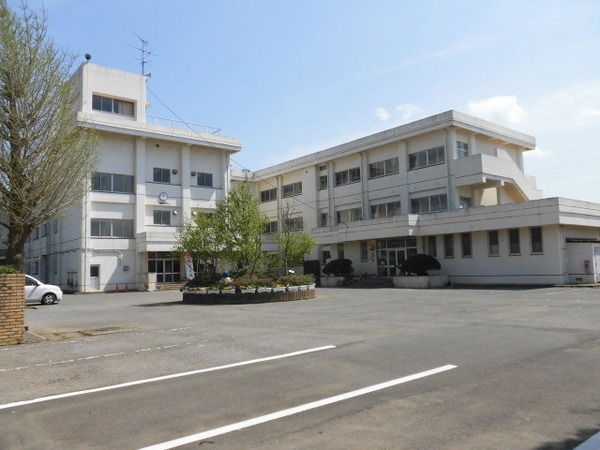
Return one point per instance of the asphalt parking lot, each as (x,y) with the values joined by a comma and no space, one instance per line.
(512,368)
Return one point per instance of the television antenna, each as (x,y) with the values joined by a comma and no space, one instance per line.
(144,53)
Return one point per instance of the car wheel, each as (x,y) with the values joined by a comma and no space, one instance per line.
(48,299)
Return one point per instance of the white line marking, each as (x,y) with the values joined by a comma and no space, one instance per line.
(165,377)
(295,410)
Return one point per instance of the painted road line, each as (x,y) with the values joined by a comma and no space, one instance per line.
(295,410)
(165,377)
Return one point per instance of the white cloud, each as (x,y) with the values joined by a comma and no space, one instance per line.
(588,115)
(382,114)
(500,109)
(538,153)
(408,111)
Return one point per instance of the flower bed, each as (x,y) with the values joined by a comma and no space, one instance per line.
(229,297)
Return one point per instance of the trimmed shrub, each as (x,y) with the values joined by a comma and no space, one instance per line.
(420,264)
(7,269)
(338,268)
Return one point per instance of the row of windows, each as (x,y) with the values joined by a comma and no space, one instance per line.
(117,228)
(347,176)
(112,105)
(426,158)
(112,182)
(292,224)
(385,210)
(382,168)
(514,243)
(430,204)
(291,190)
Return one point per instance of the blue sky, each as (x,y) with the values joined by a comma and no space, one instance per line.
(293,77)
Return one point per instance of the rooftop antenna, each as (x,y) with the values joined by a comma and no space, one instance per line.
(144,53)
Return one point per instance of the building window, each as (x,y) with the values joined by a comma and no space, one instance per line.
(271,227)
(431,204)
(36,233)
(324,219)
(493,243)
(45,229)
(426,158)
(514,243)
(205,179)
(268,195)
(162,217)
(385,210)
(112,182)
(448,246)
(326,255)
(291,190)
(116,228)
(432,246)
(340,250)
(295,224)
(465,202)
(462,149)
(382,168)
(347,176)
(349,215)
(364,251)
(536,240)
(162,175)
(467,249)
(322,182)
(112,105)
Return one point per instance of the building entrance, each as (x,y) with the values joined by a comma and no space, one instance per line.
(391,253)
(166,267)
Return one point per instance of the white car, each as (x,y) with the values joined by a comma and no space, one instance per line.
(46,294)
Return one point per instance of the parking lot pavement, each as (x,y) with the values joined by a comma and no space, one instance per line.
(526,364)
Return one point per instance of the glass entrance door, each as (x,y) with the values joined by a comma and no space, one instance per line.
(391,253)
(166,267)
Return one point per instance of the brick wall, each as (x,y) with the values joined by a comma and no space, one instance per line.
(12,308)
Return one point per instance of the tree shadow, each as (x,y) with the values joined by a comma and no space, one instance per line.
(576,439)
(152,305)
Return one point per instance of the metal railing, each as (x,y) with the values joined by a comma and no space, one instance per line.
(182,125)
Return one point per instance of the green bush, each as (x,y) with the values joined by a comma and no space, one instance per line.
(295,280)
(338,268)
(4,269)
(253,282)
(420,264)
(202,280)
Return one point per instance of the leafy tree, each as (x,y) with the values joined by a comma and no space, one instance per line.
(294,244)
(338,268)
(234,232)
(420,264)
(46,157)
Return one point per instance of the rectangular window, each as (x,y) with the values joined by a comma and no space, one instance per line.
(347,176)
(467,250)
(112,182)
(462,149)
(205,179)
(514,242)
(432,246)
(162,175)
(465,202)
(162,217)
(448,246)
(364,251)
(268,195)
(493,243)
(295,224)
(112,105)
(426,158)
(431,204)
(349,215)
(322,182)
(36,233)
(385,210)
(382,168)
(271,227)
(291,190)
(536,240)
(116,228)
(324,219)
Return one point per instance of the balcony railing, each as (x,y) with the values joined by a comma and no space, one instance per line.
(206,129)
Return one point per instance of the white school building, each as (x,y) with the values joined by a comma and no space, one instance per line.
(450,185)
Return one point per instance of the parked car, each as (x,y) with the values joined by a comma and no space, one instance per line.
(46,294)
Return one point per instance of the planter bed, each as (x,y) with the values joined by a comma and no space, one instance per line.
(195,298)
